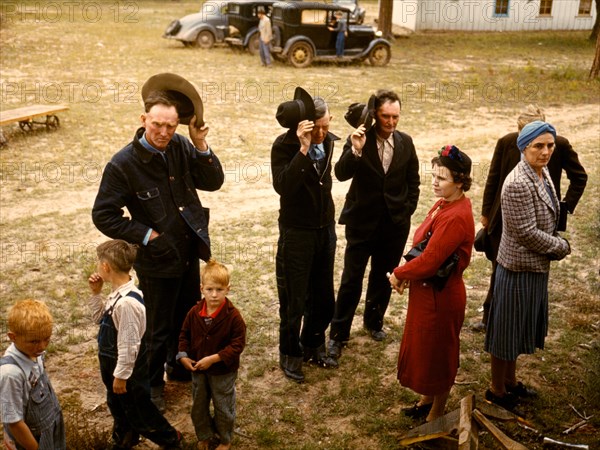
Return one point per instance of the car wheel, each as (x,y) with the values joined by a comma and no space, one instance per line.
(173,28)
(205,39)
(300,54)
(253,44)
(380,55)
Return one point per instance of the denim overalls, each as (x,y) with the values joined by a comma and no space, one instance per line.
(133,412)
(107,336)
(42,413)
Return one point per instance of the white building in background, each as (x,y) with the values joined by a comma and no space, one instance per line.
(495,15)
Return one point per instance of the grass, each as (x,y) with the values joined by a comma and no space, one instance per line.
(455,87)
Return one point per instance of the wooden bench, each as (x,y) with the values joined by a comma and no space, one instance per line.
(25,116)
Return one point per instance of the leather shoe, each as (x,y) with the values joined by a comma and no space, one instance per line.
(295,375)
(417,411)
(334,348)
(508,401)
(292,367)
(319,357)
(520,390)
(176,445)
(378,335)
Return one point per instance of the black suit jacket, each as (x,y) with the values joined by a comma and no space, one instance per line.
(373,192)
(305,195)
(507,156)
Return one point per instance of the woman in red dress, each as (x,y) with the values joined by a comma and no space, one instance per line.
(429,352)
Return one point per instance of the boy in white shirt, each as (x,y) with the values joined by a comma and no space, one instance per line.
(121,351)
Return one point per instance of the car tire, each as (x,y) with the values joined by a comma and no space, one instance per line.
(205,39)
(173,28)
(253,44)
(380,55)
(300,54)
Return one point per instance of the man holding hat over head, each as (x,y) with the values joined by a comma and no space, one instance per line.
(384,168)
(301,165)
(156,177)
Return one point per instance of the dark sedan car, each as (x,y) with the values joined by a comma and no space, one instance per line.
(302,35)
(201,29)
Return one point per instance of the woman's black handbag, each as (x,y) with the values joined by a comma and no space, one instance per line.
(441,276)
(483,243)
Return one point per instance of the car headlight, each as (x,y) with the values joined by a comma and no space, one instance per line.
(378,33)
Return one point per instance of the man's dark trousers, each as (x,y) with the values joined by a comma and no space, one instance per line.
(384,246)
(304,269)
(168,301)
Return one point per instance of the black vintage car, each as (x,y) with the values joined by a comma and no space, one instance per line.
(301,35)
(201,29)
(242,17)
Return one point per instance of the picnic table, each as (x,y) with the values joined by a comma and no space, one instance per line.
(25,116)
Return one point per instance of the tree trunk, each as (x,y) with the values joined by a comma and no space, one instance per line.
(386,8)
(596,29)
(595,72)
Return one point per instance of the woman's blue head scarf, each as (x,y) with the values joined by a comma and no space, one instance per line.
(531,131)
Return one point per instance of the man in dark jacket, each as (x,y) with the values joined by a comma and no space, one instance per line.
(301,165)
(155,177)
(506,157)
(384,168)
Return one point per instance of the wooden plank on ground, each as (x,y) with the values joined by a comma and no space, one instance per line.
(506,442)
(441,427)
(468,436)
(493,411)
(27,113)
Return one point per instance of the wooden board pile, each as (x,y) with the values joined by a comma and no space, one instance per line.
(460,428)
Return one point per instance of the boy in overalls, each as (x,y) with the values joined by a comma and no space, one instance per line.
(121,351)
(31,413)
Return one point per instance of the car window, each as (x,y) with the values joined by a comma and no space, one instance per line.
(314,17)
(266,8)
(211,10)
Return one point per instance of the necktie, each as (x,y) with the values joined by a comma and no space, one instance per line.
(316,152)
(386,153)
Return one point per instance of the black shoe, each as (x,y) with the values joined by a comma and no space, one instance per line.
(334,348)
(377,335)
(521,391)
(319,357)
(327,362)
(130,440)
(417,411)
(294,375)
(292,367)
(175,446)
(508,401)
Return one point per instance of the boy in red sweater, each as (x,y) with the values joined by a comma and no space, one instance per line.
(212,338)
